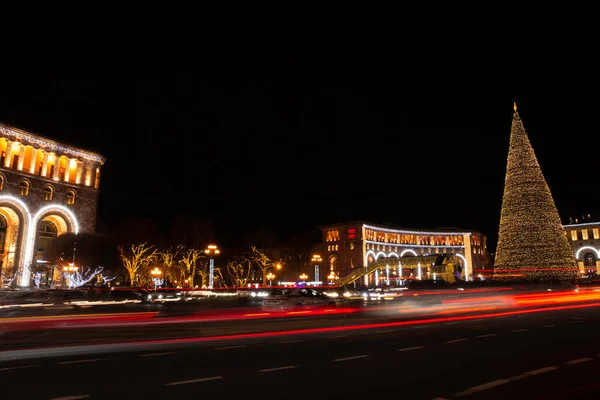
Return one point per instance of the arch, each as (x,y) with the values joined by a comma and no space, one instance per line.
(24,187)
(392,254)
(2,180)
(381,253)
(408,250)
(333,262)
(54,211)
(48,192)
(465,265)
(18,216)
(71,196)
(586,248)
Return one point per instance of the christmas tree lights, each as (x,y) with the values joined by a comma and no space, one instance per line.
(531,241)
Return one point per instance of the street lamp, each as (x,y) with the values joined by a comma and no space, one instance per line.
(316,259)
(332,277)
(211,251)
(156,273)
(270,277)
(303,277)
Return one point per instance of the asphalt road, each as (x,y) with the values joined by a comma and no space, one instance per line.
(541,355)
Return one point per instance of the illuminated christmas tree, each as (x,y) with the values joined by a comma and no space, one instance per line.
(532,244)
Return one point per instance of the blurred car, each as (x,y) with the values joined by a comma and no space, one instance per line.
(302,298)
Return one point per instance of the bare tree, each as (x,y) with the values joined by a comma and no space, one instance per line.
(239,269)
(188,261)
(139,255)
(170,259)
(262,262)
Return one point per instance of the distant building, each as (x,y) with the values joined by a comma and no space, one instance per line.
(584,239)
(373,255)
(47,189)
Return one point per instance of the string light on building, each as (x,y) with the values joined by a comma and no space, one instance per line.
(531,241)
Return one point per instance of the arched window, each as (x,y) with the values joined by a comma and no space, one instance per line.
(47,231)
(3,228)
(48,193)
(70,197)
(24,186)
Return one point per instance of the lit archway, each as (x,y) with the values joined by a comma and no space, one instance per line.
(18,223)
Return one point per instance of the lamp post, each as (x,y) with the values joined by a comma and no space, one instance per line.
(303,277)
(332,277)
(69,271)
(270,277)
(316,259)
(211,251)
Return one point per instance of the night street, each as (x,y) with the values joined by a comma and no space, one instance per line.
(543,355)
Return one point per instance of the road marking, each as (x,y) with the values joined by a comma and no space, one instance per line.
(351,358)
(451,323)
(212,378)
(455,341)
(579,360)
(421,326)
(411,348)
(291,341)
(479,388)
(540,370)
(520,330)
(385,331)
(577,322)
(79,361)
(548,326)
(83,396)
(577,318)
(336,337)
(517,377)
(156,354)
(278,368)
(21,367)
(230,347)
(488,335)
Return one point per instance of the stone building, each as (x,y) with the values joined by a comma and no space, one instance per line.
(47,189)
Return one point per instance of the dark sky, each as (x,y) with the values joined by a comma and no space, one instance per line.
(312,131)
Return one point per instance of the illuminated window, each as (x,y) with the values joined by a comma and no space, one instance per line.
(595,232)
(573,235)
(24,186)
(70,197)
(47,193)
(584,234)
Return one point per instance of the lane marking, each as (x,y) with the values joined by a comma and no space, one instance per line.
(411,348)
(336,337)
(579,360)
(540,370)
(21,367)
(548,326)
(451,323)
(517,377)
(479,388)
(157,354)
(488,335)
(230,347)
(291,341)
(212,378)
(577,318)
(385,331)
(520,330)
(278,368)
(79,361)
(351,358)
(421,326)
(455,341)
(83,396)
(577,322)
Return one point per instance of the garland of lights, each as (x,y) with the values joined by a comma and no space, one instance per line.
(531,241)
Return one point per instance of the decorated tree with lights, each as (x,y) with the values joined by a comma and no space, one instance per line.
(531,239)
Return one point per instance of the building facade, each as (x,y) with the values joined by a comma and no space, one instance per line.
(47,189)
(584,239)
(398,254)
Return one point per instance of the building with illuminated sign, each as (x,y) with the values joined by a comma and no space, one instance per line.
(585,242)
(383,255)
(47,189)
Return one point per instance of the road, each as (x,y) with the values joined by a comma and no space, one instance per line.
(551,354)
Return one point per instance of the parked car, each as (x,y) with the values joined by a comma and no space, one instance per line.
(295,299)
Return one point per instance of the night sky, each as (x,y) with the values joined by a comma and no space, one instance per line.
(288,138)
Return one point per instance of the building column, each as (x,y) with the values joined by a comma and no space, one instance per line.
(56,167)
(21,157)
(97,179)
(68,169)
(78,172)
(45,164)
(34,153)
(8,158)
